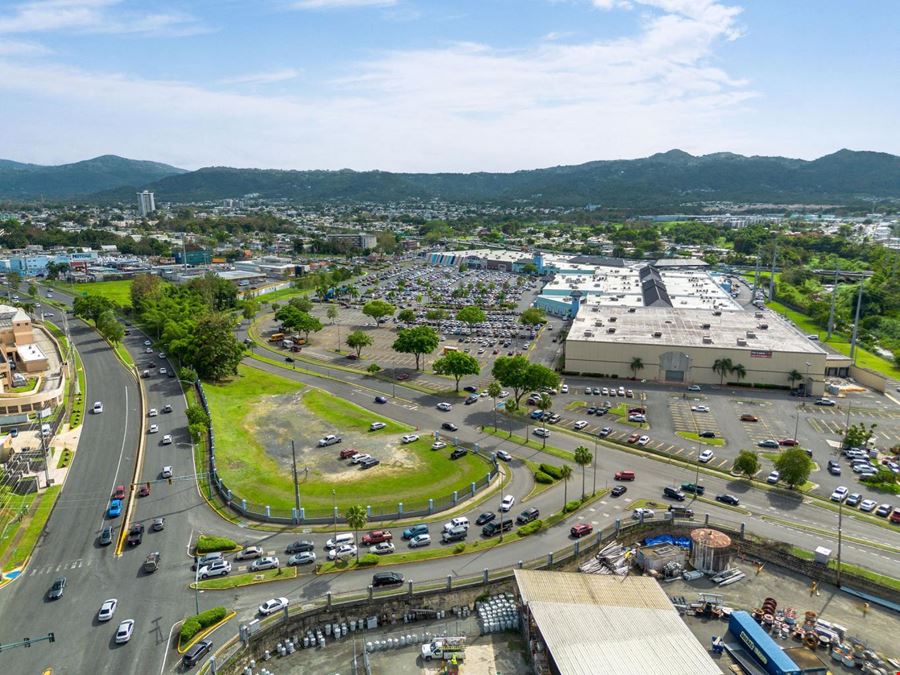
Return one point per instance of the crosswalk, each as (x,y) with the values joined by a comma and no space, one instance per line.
(58,567)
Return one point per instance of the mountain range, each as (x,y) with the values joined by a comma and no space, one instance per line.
(669,179)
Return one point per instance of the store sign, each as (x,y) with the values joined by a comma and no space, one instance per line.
(756,354)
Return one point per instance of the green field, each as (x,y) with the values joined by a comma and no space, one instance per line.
(117,291)
(408,473)
(17,542)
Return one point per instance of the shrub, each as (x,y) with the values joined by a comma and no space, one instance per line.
(194,624)
(530,528)
(571,506)
(552,471)
(541,477)
(368,559)
(459,548)
(207,544)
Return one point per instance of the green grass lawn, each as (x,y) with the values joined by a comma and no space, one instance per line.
(39,511)
(28,386)
(691,436)
(534,445)
(117,291)
(252,474)
(248,579)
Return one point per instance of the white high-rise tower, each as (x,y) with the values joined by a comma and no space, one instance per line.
(146,204)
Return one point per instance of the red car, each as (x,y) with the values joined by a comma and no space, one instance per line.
(347,453)
(637,411)
(144,491)
(624,475)
(402,376)
(376,537)
(895,517)
(789,442)
(581,529)
(634,438)
(119,492)
(749,418)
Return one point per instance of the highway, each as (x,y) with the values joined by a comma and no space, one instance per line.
(106,457)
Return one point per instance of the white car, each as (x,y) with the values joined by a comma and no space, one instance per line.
(643,440)
(359,457)
(580,424)
(410,438)
(382,548)
(867,505)
(167,439)
(694,387)
(124,631)
(637,417)
(107,609)
(564,389)
(269,562)
(249,553)
(839,494)
(503,393)
(153,412)
(98,407)
(420,540)
(700,408)
(541,432)
(342,551)
(167,472)
(375,426)
(446,407)
(162,355)
(217,568)
(147,343)
(460,521)
(153,429)
(646,513)
(330,439)
(163,371)
(148,350)
(273,605)
(504,455)
(705,456)
(507,503)
(437,445)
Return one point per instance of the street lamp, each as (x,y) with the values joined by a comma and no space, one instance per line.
(334,509)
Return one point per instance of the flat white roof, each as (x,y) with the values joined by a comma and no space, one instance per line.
(30,353)
(594,623)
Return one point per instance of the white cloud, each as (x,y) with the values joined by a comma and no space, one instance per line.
(341,4)
(93,16)
(267,77)
(21,48)
(462,106)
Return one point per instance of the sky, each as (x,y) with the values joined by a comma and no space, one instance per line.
(451,85)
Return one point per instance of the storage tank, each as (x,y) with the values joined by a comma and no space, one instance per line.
(710,550)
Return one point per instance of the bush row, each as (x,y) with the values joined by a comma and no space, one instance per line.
(572,506)
(207,544)
(553,471)
(541,477)
(368,559)
(194,624)
(530,528)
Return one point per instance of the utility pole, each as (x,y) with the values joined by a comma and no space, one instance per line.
(856,322)
(772,275)
(296,484)
(840,529)
(833,302)
(594,469)
(46,460)
(756,275)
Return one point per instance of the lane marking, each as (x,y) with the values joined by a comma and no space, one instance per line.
(119,463)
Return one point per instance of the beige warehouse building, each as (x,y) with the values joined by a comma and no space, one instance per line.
(682,345)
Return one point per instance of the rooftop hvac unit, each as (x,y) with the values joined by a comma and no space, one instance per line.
(598,324)
(707,340)
(705,326)
(751,335)
(758,315)
(611,329)
(717,313)
(588,333)
(611,319)
(657,334)
(595,309)
(631,310)
(741,342)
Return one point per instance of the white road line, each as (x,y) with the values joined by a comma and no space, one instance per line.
(121,453)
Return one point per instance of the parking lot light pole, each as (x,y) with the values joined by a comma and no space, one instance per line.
(594,469)
(334,509)
(197,585)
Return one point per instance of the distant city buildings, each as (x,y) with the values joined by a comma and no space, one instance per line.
(146,203)
(355,240)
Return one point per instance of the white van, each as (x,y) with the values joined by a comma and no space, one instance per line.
(45,430)
(340,540)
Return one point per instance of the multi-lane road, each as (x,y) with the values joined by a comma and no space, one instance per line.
(107,455)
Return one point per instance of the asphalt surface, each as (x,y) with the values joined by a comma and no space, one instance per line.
(159,600)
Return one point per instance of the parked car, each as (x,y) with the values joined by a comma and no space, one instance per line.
(105,538)
(268,562)
(382,548)
(853,499)
(633,438)
(604,432)
(217,568)
(641,513)
(580,424)
(788,442)
(369,462)
(330,439)
(376,537)
(839,494)
(485,518)
(458,452)
(301,546)
(618,491)
(773,478)
(420,540)
(494,528)
(410,438)
(705,456)
(415,530)
(884,510)
(375,426)
(867,505)
(768,443)
(749,418)
(115,509)
(341,552)
(643,440)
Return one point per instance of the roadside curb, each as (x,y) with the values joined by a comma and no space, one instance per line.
(202,634)
(193,585)
(138,464)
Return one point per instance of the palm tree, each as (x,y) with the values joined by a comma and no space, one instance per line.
(637,363)
(723,367)
(565,472)
(493,391)
(739,371)
(582,458)
(793,376)
(357,517)
(544,406)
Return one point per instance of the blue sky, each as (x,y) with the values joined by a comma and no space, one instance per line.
(422,85)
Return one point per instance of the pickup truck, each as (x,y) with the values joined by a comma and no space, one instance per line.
(445,648)
(694,489)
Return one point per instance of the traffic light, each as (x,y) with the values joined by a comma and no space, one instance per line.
(51,637)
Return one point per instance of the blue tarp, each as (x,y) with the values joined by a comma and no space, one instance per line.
(683,542)
(760,645)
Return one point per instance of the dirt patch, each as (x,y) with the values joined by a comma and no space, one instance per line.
(277,420)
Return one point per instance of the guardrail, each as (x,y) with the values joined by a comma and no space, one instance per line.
(307,516)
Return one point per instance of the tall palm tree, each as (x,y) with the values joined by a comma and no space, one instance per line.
(544,406)
(723,367)
(582,458)
(565,472)
(740,372)
(793,376)
(493,391)
(357,517)
(637,363)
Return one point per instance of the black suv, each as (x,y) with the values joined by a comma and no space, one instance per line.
(300,547)
(193,655)
(528,515)
(458,452)
(449,426)
(494,528)
(386,579)
(136,534)
(673,493)
(728,499)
